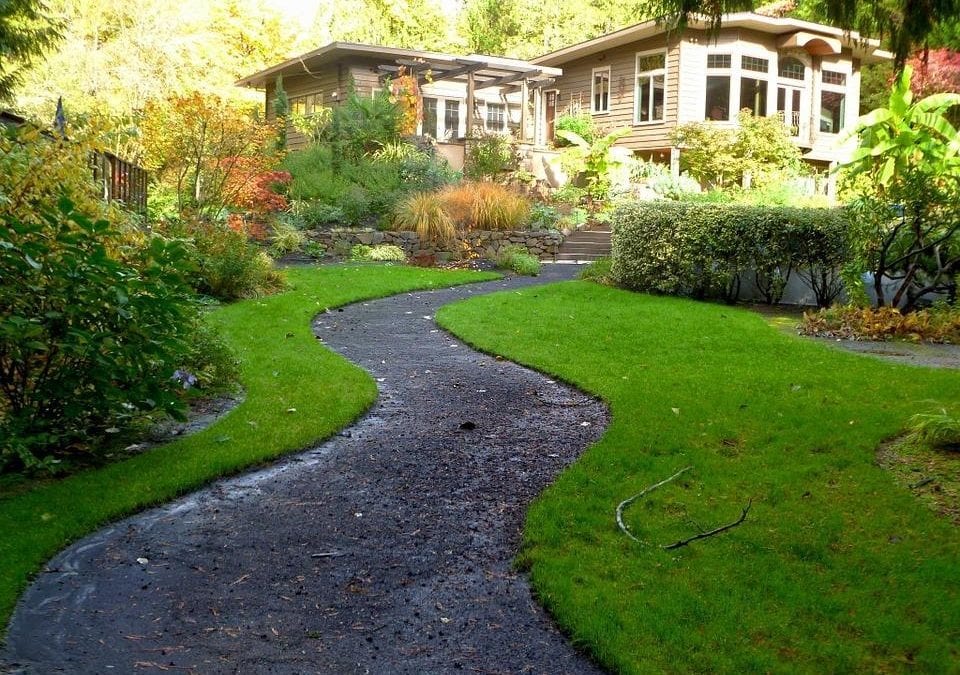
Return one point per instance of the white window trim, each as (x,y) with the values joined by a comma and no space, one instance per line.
(732,72)
(442,131)
(593,91)
(637,122)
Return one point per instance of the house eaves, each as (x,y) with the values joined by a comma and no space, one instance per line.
(493,66)
(866,49)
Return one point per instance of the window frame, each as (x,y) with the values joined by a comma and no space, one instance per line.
(649,74)
(594,110)
(825,87)
(504,108)
(720,71)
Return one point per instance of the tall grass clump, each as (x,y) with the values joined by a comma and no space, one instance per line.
(424,214)
(485,206)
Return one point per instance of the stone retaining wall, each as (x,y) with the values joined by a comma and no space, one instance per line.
(480,244)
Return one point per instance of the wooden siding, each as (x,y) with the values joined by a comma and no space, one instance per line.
(575,84)
(327,81)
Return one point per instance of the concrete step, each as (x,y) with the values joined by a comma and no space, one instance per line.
(588,236)
(577,257)
(584,248)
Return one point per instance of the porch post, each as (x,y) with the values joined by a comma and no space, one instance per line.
(675,162)
(524,103)
(471,84)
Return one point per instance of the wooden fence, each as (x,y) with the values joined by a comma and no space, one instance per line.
(119,180)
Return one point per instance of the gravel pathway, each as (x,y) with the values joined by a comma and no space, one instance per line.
(387,549)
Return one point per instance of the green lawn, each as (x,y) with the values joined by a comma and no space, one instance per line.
(837,567)
(297,393)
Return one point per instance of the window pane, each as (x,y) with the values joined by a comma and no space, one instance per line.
(451,119)
(753,95)
(601,91)
(718,60)
(830,77)
(754,64)
(791,68)
(495,117)
(298,106)
(430,117)
(651,62)
(659,87)
(718,97)
(833,107)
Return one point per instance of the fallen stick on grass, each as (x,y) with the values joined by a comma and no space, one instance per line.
(629,500)
(704,535)
(682,542)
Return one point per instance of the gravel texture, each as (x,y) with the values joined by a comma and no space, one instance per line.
(388,549)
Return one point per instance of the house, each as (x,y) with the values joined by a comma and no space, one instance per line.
(459,92)
(650,80)
(643,77)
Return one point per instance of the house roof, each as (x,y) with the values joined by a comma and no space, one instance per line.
(486,69)
(866,49)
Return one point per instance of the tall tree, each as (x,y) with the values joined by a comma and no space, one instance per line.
(26,30)
(414,24)
(903,25)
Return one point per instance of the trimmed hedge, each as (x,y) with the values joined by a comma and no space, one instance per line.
(709,250)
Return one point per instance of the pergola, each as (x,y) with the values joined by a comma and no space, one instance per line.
(478,72)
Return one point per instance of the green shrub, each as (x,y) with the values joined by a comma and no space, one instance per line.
(580,123)
(544,217)
(314,249)
(488,156)
(387,253)
(363,125)
(705,250)
(87,341)
(518,258)
(229,266)
(316,214)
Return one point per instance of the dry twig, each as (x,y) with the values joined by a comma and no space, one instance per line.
(629,500)
(704,535)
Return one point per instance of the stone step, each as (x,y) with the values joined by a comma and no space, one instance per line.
(577,257)
(588,236)
(585,248)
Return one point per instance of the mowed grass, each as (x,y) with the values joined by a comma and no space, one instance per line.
(837,567)
(297,393)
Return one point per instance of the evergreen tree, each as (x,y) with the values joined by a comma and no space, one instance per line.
(26,31)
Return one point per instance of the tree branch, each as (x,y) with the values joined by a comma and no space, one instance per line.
(629,500)
(711,533)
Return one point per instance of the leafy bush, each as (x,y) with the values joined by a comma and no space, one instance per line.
(362,125)
(720,156)
(579,122)
(315,249)
(518,259)
(424,213)
(286,239)
(86,341)
(317,214)
(936,324)
(544,217)
(489,155)
(704,250)
(228,266)
(485,206)
(674,187)
(387,253)
(596,159)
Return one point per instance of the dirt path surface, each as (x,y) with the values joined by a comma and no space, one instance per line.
(387,549)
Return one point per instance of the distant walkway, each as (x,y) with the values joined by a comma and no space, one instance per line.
(387,549)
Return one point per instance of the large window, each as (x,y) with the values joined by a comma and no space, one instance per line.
(651,87)
(451,119)
(601,90)
(718,87)
(496,116)
(833,101)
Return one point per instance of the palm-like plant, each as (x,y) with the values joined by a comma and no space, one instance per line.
(597,158)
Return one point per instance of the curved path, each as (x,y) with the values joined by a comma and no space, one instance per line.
(387,549)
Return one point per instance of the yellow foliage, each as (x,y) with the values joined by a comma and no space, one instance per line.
(937,324)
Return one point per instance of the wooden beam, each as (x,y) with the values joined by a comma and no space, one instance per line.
(456,72)
(507,79)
